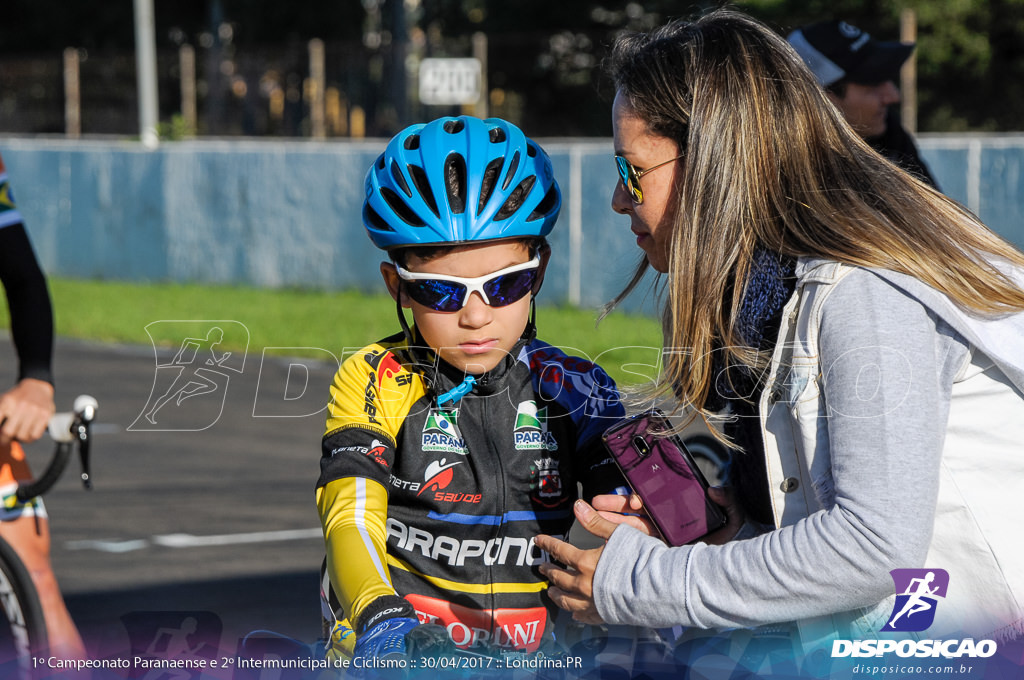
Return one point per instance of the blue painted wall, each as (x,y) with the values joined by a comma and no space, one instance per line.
(281,214)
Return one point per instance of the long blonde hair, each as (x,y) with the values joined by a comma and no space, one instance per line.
(771,163)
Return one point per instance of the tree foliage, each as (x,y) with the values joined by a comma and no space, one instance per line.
(545,57)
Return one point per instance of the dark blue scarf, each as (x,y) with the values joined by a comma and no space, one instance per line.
(768,287)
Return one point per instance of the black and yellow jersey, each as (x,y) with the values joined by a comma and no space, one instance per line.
(440,505)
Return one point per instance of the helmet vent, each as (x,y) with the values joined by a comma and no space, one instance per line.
(396,173)
(375,221)
(491,173)
(497,135)
(546,205)
(531,151)
(404,212)
(419,178)
(455,181)
(515,199)
(380,162)
(512,167)
(412,142)
(454,127)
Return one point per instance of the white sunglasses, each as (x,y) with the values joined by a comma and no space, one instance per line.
(444,293)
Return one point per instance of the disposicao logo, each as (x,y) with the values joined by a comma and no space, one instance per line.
(918,594)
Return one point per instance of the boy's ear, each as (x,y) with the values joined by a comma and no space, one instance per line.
(394,284)
(545,254)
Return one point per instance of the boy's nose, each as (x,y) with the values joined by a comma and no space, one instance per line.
(476,312)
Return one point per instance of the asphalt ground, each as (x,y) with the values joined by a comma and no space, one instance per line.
(208,513)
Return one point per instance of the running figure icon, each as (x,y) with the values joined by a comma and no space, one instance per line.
(194,382)
(917,589)
(209,352)
(918,592)
(173,644)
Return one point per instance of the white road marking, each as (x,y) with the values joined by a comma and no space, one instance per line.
(192,541)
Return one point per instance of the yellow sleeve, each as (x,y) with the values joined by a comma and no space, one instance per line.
(353,512)
(373,391)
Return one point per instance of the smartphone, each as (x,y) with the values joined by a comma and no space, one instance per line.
(662,472)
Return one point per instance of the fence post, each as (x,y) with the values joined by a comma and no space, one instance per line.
(316,87)
(189,109)
(72,94)
(575,225)
(145,61)
(480,53)
(908,74)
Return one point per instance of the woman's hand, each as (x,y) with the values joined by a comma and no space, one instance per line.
(25,411)
(619,509)
(630,510)
(572,587)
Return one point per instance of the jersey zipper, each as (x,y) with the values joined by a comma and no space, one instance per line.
(499,528)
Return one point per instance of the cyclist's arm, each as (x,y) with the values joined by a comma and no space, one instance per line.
(591,398)
(29,303)
(600,474)
(367,408)
(25,409)
(353,512)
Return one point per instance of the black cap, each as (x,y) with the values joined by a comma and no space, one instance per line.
(835,50)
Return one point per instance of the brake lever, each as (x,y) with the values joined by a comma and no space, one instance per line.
(85,410)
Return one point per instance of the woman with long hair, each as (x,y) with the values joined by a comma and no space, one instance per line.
(860,335)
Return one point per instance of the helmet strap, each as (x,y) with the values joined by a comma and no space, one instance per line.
(417,353)
(530,332)
(401,316)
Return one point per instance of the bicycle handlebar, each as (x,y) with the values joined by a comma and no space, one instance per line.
(65,429)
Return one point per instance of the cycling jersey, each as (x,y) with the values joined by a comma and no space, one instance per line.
(13,470)
(440,505)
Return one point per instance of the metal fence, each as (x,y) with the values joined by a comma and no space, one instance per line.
(258,91)
(280,213)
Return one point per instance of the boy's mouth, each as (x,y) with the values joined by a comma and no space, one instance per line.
(478,346)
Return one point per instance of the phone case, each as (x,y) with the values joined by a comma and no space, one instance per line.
(663,473)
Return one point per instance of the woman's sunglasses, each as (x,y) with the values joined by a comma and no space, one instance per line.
(449,293)
(631,175)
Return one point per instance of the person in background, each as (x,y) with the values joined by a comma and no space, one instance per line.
(859,75)
(25,411)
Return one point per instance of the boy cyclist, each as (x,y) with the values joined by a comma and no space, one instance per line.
(451,444)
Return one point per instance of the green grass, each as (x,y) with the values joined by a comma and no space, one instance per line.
(625,345)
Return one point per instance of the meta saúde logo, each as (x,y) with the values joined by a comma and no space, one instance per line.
(919,593)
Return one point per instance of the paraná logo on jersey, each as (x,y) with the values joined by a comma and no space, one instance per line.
(531,431)
(441,432)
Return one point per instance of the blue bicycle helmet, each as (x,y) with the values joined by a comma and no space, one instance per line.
(460,180)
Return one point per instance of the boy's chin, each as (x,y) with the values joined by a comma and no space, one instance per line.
(476,364)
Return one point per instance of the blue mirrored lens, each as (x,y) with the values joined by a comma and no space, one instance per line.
(508,288)
(441,296)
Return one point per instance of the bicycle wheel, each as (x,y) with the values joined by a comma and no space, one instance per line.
(22,626)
